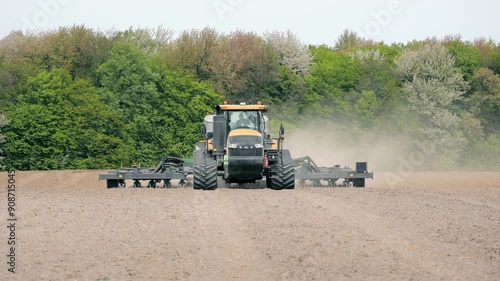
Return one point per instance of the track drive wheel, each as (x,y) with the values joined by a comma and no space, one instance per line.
(283,178)
(283,173)
(205,175)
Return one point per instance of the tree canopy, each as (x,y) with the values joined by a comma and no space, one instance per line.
(77,98)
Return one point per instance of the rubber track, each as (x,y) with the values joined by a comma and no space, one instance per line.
(284,178)
(205,176)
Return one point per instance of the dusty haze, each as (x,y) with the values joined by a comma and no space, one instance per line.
(328,146)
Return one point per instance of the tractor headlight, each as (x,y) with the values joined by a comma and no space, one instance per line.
(233,145)
(259,145)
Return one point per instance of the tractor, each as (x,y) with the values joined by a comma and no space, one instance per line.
(237,148)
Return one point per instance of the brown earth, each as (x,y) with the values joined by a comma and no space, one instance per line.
(423,226)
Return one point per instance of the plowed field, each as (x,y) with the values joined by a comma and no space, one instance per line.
(428,226)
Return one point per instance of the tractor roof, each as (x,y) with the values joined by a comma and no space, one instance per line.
(243,107)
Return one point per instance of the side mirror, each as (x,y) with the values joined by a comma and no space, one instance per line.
(203,130)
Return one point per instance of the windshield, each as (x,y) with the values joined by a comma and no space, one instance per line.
(243,120)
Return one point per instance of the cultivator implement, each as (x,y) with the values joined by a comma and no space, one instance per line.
(170,168)
(307,170)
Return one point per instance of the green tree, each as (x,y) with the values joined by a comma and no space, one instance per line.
(184,104)
(467,57)
(56,123)
(77,49)
(130,86)
(377,77)
(3,122)
(485,99)
(162,109)
(333,78)
(495,59)
(19,59)
(350,40)
(486,48)
(30,142)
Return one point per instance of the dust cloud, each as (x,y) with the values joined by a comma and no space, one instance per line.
(328,146)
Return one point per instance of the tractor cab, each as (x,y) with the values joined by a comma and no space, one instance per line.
(230,120)
(243,116)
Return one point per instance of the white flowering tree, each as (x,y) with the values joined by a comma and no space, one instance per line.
(290,50)
(150,40)
(432,85)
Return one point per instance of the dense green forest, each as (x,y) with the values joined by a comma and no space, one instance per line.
(77,98)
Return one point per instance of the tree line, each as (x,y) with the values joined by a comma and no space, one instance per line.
(77,98)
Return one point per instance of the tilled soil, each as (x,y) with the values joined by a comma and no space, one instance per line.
(424,226)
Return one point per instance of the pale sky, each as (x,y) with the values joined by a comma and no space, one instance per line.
(314,21)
